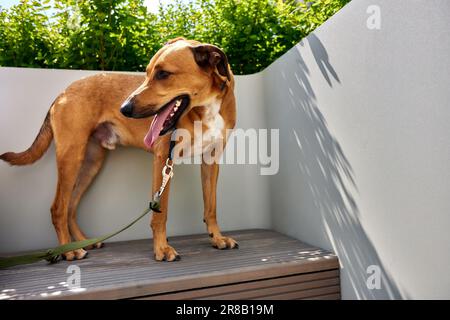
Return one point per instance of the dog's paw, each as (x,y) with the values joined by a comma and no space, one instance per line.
(166,253)
(221,242)
(75,255)
(98,245)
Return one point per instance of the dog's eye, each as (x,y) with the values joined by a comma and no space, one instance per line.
(162,74)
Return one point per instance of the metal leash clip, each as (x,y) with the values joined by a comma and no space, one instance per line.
(167,174)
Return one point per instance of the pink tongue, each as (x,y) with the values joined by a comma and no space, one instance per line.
(157,125)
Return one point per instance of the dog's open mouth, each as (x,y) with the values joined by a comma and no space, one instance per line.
(166,119)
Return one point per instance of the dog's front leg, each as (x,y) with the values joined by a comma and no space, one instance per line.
(210,173)
(161,248)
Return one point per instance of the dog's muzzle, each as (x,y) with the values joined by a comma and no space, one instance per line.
(127,108)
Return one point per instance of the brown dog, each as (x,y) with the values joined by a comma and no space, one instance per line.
(185,81)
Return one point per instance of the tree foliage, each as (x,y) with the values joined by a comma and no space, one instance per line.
(123,35)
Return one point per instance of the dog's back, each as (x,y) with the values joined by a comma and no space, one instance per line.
(90,104)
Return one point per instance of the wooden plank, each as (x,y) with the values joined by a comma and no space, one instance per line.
(188,282)
(127,269)
(303,294)
(332,296)
(247,286)
(275,290)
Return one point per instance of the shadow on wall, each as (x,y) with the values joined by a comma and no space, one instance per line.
(321,176)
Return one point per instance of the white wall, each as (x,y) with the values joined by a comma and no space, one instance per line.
(121,191)
(365,145)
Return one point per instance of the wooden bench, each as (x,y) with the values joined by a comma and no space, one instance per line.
(268,265)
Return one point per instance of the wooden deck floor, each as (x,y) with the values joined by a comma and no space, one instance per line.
(267,265)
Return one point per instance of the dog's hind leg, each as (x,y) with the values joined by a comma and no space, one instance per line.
(69,159)
(71,138)
(210,174)
(92,163)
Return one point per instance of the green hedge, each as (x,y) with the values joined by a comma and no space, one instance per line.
(123,35)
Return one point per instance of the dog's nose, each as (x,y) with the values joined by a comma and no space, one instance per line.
(127,108)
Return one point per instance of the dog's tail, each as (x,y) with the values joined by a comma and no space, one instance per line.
(37,149)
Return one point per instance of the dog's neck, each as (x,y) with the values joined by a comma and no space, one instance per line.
(213,108)
(209,109)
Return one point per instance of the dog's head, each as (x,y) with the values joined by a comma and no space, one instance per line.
(181,75)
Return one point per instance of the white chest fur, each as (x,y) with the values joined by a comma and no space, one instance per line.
(208,135)
(213,128)
(213,122)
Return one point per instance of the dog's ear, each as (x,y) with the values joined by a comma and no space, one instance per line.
(209,56)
